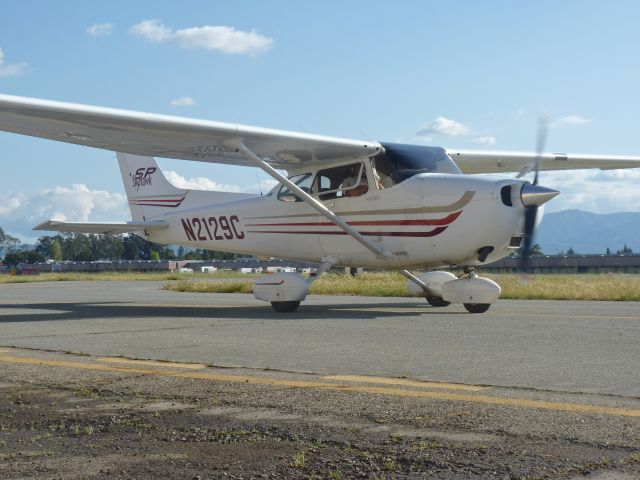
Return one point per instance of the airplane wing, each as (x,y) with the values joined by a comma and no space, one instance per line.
(202,140)
(497,162)
(169,136)
(105,228)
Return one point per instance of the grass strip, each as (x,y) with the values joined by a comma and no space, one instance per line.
(116,276)
(391,284)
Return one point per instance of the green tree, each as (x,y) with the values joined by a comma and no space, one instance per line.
(77,247)
(108,247)
(537,250)
(24,256)
(154,255)
(136,248)
(165,253)
(55,250)
(625,250)
(34,257)
(7,242)
(14,258)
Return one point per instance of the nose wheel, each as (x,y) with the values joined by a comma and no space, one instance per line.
(285,307)
(476,307)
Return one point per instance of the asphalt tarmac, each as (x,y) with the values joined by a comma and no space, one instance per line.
(555,346)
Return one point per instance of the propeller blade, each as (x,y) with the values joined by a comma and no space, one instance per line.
(530,217)
(543,127)
(531,210)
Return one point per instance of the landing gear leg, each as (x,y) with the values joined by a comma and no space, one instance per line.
(469,272)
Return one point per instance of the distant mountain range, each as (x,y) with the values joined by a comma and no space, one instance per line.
(587,232)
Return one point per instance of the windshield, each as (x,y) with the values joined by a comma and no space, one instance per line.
(400,161)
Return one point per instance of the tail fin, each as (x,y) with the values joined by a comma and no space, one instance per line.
(149,192)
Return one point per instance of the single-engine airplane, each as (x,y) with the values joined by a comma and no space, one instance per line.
(343,202)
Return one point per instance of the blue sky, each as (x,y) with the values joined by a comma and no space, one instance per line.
(472,74)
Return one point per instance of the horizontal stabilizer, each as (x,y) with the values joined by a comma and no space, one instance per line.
(99,227)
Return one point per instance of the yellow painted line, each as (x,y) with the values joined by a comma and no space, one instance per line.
(154,363)
(398,392)
(403,382)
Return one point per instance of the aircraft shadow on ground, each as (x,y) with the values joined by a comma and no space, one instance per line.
(39,312)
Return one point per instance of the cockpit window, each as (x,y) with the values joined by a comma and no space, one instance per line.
(335,182)
(342,181)
(303,181)
(399,162)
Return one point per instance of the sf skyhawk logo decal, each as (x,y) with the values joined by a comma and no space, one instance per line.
(143,177)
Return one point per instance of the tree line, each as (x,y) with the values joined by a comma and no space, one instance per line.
(81,247)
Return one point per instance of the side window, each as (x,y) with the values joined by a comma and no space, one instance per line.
(303,181)
(343,181)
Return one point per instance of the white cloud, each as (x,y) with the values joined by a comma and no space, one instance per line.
(182,102)
(593,190)
(8,205)
(484,141)
(203,183)
(198,183)
(597,191)
(20,212)
(208,37)
(571,120)
(152,30)
(99,30)
(443,126)
(11,70)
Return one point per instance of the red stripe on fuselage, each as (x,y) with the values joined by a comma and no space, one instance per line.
(431,233)
(157,205)
(158,202)
(436,221)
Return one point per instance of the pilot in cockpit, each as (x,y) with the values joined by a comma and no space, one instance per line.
(382,173)
(352,188)
(361,189)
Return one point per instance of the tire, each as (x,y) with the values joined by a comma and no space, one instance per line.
(437,302)
(477,307)
(285,307)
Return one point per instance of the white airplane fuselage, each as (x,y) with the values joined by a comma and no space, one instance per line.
(428,220)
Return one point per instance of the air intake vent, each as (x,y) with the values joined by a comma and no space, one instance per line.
(505,193)
(515,241)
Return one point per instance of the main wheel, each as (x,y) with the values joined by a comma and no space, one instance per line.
(285,307)
(477,307)
(437,302)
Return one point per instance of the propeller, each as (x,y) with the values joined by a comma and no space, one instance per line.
(532,203)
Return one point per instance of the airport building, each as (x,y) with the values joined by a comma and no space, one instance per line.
(570,264)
